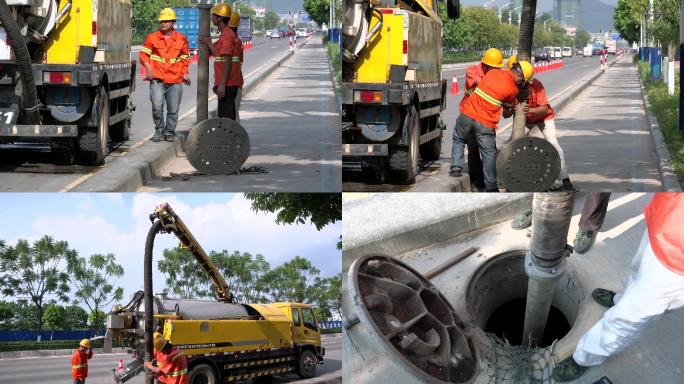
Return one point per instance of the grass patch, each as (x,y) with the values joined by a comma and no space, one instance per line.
(43,345)
(336,63)
(331,330)
(666,110)
(460,57)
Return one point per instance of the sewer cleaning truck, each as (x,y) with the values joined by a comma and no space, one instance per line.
(393,92)
(66,75)
(224,340)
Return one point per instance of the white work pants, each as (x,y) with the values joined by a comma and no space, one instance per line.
(651,291)
(547,130)
(238,100)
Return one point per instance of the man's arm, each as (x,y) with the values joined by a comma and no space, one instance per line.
(144,56)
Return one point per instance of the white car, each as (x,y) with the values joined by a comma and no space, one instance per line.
(301,32)
(557,53)
(567,52)
(274,33)
(587,51)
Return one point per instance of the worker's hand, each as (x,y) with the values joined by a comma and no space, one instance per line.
(526,109)
(149,76)
(148,365)
(220,91)
(186,79)
(204,40)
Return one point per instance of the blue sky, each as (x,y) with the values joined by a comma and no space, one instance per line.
(118,223)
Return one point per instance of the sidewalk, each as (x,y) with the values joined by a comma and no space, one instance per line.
(605,136)
(293,124)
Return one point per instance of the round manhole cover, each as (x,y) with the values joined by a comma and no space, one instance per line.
(528,164)
(217,146)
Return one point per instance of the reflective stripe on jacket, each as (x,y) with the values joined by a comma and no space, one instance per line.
(168,56)
(79,364)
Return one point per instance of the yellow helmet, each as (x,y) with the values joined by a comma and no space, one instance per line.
(493,57)
(512,60)
(167,14)
(234,19)
(159,341)
(221,9)
(84,343)
(527,69)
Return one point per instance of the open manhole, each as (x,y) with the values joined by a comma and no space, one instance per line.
(402,320)
(496,299)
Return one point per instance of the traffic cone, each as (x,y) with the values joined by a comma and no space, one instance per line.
(121,366)
(454,85)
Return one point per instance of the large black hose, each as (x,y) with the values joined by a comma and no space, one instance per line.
(29,92)
(551,215)
(524,53)
(147,295)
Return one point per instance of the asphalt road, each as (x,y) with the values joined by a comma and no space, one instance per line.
(56,370)
(554,81)
(30,167)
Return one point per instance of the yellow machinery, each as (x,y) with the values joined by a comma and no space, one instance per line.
(73,60)
(392,90)
(224,341)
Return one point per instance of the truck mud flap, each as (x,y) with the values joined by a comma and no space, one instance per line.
(365,150)
(17,130)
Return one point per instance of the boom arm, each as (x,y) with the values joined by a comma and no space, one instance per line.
(171,223)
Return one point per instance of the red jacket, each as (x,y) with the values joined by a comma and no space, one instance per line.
(474,74)
(497,88)
(79,364)
(664,220)
(174,368)
(169,56)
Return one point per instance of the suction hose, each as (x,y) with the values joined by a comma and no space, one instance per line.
(524,53)
(147,294)
(29,92)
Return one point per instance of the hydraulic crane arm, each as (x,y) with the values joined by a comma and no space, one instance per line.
(171,223)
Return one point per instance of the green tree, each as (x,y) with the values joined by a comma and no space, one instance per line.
(292,281)
(320,208)
(244,274)
(6,315)
(183,276)
(54,317)
(665,25)
(245,10)
(96,319)
(75,318)
(36,271)
(326,294)
(582,38)
(145,15)
(95,279)
(318,10)
(626,21)
(271,20)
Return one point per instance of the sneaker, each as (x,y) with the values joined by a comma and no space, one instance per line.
(157,137)
(604,297)
(568,370)
(523,220)
(584,240)
(170,137)
(455,173)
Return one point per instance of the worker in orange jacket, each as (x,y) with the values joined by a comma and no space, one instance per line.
(174,363)
(655,286)
(236,79)
(540,121)
(222,51)
(79,362)
(166,57)
(491,60)
(480,114)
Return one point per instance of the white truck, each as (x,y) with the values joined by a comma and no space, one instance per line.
(611,46)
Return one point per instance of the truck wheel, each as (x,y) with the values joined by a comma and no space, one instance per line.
(203,374)
(92,143)
(403,160)
(433,148)
(63,150)
(306,364)
(120,131)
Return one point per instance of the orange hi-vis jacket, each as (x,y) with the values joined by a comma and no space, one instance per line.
(664,219)
(235,78)
(496,90)
(79,364)
(158,356)
(225,46)
(174,367)
(536,99)
(474,74)
(169,56)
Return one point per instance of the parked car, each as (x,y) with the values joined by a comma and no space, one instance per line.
(588,51)
(541,55)
(557,53)
(275,34)
(567,52)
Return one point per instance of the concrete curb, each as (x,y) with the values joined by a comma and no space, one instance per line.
(51,352)
(668,176)
(381,228)
(328,378)
(450,67)
(132,171)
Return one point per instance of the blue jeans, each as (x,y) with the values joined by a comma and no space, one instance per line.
(486,140)
(172,94)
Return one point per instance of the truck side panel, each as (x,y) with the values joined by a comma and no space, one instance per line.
(383,50)
(425,48)
(75,30)
(114,31)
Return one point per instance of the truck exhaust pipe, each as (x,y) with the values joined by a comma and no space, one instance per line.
(545,261)
(28,84)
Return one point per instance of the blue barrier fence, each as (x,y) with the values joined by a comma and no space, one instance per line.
(47,335)
(330,324)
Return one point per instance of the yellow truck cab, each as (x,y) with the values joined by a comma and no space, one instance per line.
(305,329)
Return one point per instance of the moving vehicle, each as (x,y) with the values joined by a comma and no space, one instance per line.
(302,32)
(557,53)
(541,55)
(588,51)
(275,33)
(67,76)
(567,52)
(245,29)
(611,46)
(223,340)
(393,92)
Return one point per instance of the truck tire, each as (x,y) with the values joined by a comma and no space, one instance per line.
(63,150)
(120,131)
(92,143)
(433,148)
(203,374)
(306,364)
(403,160)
